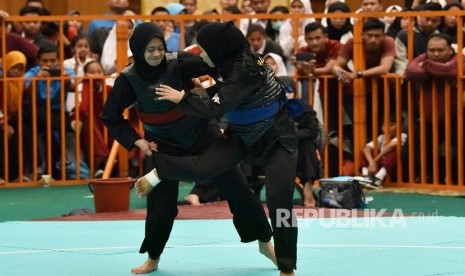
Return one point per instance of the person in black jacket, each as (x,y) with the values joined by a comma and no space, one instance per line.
(177,134)
(259,126)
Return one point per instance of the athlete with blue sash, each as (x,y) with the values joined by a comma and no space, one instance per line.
(260,127)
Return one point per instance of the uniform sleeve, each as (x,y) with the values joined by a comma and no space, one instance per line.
(239,84)
(121,97)
(192,66)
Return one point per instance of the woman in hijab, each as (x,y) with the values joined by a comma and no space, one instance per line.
(339,29)
(17,132)
(259,127)
(174,133)
(286,32)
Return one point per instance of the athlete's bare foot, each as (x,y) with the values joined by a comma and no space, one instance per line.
(286,273)
(309,199)
(149,266)
(267,249)
(192,199)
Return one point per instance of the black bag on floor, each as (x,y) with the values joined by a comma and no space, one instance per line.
(340,192)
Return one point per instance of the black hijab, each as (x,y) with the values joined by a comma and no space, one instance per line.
(334,33)
(222,42)
(139,40)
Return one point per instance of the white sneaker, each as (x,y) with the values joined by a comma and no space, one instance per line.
(368,182)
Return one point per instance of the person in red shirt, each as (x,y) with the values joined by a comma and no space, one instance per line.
(325,53)
(379,53)
(432,70)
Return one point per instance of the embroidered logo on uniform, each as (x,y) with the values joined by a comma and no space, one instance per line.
(260,61)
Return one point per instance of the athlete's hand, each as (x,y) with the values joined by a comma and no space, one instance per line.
(143,187)
(146,147)
(165,92)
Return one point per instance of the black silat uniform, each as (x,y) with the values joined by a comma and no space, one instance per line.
(260,127)
(176,134)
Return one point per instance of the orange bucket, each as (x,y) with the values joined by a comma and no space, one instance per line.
(111,194)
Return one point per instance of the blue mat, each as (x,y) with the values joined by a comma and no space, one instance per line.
(358,246)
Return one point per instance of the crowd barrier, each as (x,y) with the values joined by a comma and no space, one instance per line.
(432,157)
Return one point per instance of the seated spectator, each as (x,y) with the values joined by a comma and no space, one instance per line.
(375,166)
(49,92)
(15,67)
(89,115)
(175,9)
(276,63)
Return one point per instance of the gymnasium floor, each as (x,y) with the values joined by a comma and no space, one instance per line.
(426,238)
(345,246)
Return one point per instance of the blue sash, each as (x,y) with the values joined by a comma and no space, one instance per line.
(250,116)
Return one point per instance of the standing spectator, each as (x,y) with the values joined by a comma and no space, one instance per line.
(260,44)
(231,10)
(379,52)
(274,25)
(435,68)
(227,3)
(246,7)
(390,19)
(449,24)
(171,37)
(400,23)
(339,29)
(116,7)
(189,32)
(368,6)
(31,30)
(286,33)
(258,7)
(73,28)
(426,25)
(326,52)
(18,43)
(108,58)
